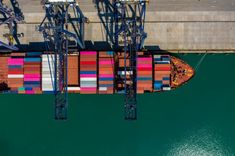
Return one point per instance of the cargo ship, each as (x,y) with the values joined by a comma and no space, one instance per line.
(91,72)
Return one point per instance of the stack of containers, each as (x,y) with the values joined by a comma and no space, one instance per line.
(106,72)
(162,72)
(16,72)
(48,73)
(32,73)
(73,73)
(88,72)
(144,74)
(121,73)
(3,69)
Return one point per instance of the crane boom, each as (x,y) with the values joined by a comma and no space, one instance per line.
(124,22)
(59,27)
(129,33)
(10,16)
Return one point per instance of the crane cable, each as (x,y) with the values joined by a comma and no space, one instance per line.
(200,62)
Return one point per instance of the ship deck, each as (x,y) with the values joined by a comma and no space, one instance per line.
(91,72)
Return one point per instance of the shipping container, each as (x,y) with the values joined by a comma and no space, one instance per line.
(162,72)
(106,72)
(73,70)
(88,72)
(48,72)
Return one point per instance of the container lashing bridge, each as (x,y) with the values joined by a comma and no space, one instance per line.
(63,23)
(124,22)
(10,16)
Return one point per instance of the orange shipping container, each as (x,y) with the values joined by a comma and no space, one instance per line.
(122,61)
(3,69)
(73,70)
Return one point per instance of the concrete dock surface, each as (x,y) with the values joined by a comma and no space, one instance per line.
(173,25)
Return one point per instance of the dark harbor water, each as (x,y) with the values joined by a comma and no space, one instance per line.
(197,119)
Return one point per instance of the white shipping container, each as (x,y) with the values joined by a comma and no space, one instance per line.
(48,72)
(88,85)
(103,88)
(48,89)
(50,64)
(73,88)
(166,88)
(88,79)
(15,76)
(45,78)
(91,83)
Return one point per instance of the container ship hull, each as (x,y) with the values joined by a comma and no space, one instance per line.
(91,72)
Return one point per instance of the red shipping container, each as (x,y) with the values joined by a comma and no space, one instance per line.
(15,72)
(87,63)
(145,69)
(162,68)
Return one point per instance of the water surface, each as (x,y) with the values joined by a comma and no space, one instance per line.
(196,119)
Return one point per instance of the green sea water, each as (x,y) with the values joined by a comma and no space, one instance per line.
(197,119)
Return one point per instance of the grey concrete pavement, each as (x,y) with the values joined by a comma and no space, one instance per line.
(171,24)
(30,6)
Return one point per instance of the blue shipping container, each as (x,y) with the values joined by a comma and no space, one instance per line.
(32,59)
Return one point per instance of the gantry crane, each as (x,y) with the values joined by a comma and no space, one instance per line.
(11,16)
(64,22)
(124,22)
(129,32)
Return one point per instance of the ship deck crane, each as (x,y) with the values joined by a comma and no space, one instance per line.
(63,22)
(124,22)
(10,17)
